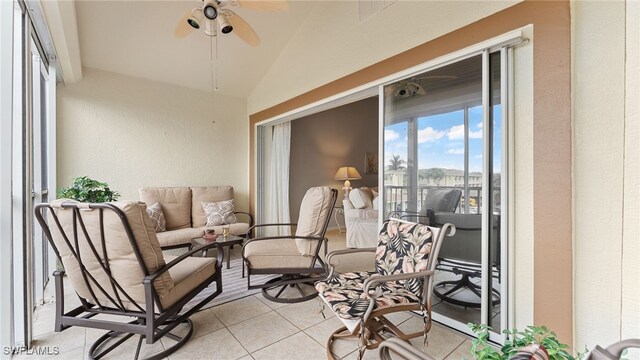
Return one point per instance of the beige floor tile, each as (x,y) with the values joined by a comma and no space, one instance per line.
(398,318)
(321,332)
(368,355)
(248,357)
(240,310)
(79,353)
(299,346)
(269,303)
(218,345)
(205,322)
(127,349)
(67,340)
(462,352)
(440,341)
(305,314)
(261,331)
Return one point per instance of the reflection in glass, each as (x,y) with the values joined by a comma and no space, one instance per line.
(433,151)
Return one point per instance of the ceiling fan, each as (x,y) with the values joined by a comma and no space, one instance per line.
(213,16)
(412,87)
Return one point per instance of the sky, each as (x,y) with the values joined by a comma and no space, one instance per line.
(441,140)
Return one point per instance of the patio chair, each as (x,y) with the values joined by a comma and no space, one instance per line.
(296,258)
(436,200)
(405,261)
(462,255)
(113,261)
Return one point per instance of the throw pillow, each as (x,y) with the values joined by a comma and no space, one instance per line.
(219,213)
(157,217)
(376,202)
(361,198)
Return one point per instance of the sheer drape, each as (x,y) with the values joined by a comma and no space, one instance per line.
(278,191)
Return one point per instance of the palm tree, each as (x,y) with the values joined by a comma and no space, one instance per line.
(395,163)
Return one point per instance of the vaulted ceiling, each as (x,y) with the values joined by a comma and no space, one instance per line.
(136,38)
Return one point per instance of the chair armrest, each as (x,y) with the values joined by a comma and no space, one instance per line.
(148,280)
(335,253)
(246,214)
(251,228)
(402,348)
(379,279)
(285,237)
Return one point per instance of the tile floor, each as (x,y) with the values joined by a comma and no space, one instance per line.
(248,328)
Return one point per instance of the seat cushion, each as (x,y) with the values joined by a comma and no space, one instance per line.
(186,275)
(207,194)
(175,201)
(276,253)
(345,294)
(179,237)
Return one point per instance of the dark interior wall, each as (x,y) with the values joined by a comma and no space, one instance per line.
(323,142)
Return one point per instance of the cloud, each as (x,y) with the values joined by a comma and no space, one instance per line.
(390,135)
(456,151)
(479,156)
(429,134)
(457,133)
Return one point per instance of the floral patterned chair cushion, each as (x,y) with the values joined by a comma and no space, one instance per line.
(402,248)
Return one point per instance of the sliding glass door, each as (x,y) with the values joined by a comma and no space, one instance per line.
(442,148)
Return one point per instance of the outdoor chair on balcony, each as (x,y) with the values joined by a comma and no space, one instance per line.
(296,258)
(405,260)
(462,256)
(436,200)
(113,261)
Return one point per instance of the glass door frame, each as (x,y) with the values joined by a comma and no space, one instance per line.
(505,48)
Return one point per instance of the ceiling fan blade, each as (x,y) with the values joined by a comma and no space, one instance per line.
(243,29)
(183,28)
(264,5)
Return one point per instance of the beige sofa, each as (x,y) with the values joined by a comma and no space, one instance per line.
(184,216)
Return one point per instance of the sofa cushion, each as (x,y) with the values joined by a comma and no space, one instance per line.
(314,210)
(179,237)
(124,264)
(206,194)
(175,201)
(157,217)
(361,197)
(219,213)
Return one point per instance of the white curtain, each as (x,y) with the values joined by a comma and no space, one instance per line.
(278,190)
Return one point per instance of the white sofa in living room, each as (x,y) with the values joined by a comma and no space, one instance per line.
(361,217)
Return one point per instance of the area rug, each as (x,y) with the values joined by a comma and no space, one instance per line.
(234,286)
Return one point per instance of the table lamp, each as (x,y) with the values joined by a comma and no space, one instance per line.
(347,173)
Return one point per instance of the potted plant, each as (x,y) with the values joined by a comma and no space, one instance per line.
(517,340)
(88,190)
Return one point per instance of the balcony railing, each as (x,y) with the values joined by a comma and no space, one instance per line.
(397,198)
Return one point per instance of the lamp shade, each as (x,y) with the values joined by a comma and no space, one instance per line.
(347,173)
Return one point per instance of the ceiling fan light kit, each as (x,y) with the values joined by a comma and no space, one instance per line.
(214,14)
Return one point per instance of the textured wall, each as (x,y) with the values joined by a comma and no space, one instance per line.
(323,142)
(606,176)
(133,133)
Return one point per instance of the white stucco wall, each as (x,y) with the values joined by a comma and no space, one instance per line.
(132,133)
(605,172)
(332,42)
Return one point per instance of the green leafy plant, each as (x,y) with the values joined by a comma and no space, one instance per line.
(481,348)
(85,189)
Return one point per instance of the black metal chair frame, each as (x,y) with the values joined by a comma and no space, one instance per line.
(291,277)
(149,324)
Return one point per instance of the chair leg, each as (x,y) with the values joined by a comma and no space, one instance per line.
(112,339)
